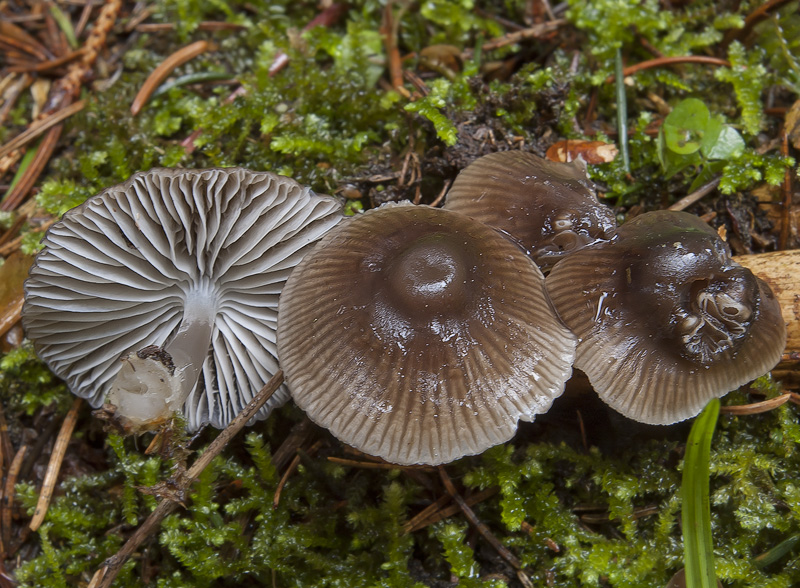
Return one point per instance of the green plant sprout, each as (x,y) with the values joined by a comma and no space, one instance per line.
(696,511)
(690,136)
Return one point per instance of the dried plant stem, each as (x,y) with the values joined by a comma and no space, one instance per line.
(54,467)
(40,127)
(166,67)
(480,526)
(111,567)
(436,511)
(757,407)
(8,497)
(690,199)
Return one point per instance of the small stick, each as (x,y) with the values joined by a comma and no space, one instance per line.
(757,407)
(40,127)
(276,499)
(371,465)
(43,153)
(290,470)
(436,511)
(783,237)
(442,194)
(659,61)
(533,32)
(106,574)
(473,519)
(5,441)
(690,199)
(752,19)
(52,64)
(54,467)
(389,32)
(8,496)
(166,67)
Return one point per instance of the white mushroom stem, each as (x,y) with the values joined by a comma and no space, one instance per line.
(155,382)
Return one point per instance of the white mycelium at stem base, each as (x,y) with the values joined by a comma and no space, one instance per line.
(178,272)
(155,381)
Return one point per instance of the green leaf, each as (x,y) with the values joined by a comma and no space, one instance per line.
(684,127)
(721,141)
(696,514)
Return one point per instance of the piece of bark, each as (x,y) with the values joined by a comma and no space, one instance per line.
(781,270)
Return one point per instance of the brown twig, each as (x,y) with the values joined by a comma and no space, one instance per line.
(166,67)
(389,33)
(43,154)
(5,441)
(476,522)
(690,199)
(757,407)
(52,63)
(324,19)
(54,467)
(442,194)
(533,32)
(276,499)
(8,496)
(783,237)
(372,465)
(436,511)
(206,25)
(40,126)
(752,20)
(111,567)
(660,61)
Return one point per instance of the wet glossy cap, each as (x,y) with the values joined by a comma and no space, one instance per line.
(666,320)
(548,208)
(419,335)
(119,274)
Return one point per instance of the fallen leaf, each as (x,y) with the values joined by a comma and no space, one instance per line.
(593,152)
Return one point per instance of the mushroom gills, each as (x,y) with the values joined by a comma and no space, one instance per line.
(154,382)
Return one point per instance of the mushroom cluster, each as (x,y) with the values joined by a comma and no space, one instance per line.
(665,319)
(162,292)
(416,334)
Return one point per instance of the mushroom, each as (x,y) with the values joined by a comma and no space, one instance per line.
(665,319)
(548,208)
(420,335)
(178,273)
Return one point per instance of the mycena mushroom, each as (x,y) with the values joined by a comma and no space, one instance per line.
(666,320)
(548,208)
(165,288)
(420,335)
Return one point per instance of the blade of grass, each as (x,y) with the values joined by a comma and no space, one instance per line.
(65,24)
(696,512)
(622,112)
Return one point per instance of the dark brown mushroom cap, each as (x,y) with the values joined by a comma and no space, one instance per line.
(419,335)
(548,208)
(666,320)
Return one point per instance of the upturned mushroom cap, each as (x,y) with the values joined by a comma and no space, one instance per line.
(548,208)
(419,335)
(665,319)
(185,261)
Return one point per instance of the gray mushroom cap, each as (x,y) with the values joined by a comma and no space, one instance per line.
(548,208)
(666,320)
(187,261)
(419,335)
